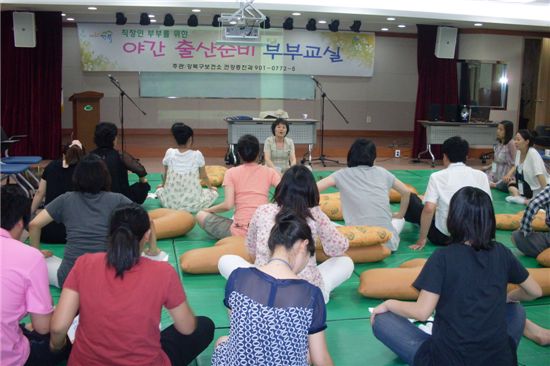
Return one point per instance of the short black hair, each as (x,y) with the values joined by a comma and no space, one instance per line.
(288,229)
(91,175)
(528,135)
(456,149)
(280,121)
(508,131)
(15,206)
(297,190)
(105,133)
(181,132)
(472,218)
(248,148)
(362,152)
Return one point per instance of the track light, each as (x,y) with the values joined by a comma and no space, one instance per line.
(193,21)
(311,25)
(168,20)
(216,21)
(120,18)
(144,19)
(266,24)
(356,26)
(333,26)
(288,24)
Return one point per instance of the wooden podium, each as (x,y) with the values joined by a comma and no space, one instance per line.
(86,114)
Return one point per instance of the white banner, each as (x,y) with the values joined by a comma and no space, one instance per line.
(108,47)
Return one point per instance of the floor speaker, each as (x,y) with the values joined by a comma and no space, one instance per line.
(445,42)
(24,32)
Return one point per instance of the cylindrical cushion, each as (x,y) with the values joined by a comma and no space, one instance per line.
(205,260)
(508,221)
(361,236)
(215,174)
(544,258)
(171,223)
(389,283)
(373,253)
(417,262)
(329,196)
(332,208)
(395,197)
(541,276)
(539,222)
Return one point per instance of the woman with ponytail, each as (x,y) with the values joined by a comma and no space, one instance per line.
(119,296)
(276,318)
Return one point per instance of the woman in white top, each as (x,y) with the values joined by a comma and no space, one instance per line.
(529,170)
(183,170)
(279,149)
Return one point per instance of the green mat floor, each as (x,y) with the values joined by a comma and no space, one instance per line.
(349,335)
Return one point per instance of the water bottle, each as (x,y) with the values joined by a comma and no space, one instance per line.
(464,113)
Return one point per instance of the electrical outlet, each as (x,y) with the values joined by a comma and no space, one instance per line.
(397,153)
(369,119)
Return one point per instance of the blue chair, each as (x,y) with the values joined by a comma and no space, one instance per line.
(16,171)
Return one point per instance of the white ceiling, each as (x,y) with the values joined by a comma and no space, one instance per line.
(494,14)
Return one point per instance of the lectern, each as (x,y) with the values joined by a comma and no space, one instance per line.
(86,114)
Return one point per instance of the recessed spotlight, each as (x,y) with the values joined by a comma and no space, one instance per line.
(153,20)
(478,24)
(384,29)
(92,8)
(322,22)
(296,14)
(401,26)
(233,22)
(63,14)
(390,19)
(151,15)
(70,19)
(196,10)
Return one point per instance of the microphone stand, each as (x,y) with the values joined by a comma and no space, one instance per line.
(322,157)
(123,94)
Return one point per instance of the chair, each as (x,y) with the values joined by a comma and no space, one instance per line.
(16,171)
(18,160)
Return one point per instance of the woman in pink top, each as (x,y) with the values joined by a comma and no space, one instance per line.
(298,192)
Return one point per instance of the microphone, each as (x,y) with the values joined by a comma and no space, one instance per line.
(313,78)
(112,78)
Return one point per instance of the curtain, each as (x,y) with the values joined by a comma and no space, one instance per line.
(437,84)
(31,87)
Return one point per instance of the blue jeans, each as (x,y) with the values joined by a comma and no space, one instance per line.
(404,338)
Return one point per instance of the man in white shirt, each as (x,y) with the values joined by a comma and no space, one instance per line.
(441,188)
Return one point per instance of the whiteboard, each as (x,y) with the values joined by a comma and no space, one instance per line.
(225,85)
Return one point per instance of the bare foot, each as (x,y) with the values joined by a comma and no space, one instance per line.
(536,333)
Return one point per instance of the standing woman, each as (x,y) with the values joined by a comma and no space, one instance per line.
(276,318)
(120,304)
(476,321)
(60,175)
(503,157)
(529,170)
(278,149)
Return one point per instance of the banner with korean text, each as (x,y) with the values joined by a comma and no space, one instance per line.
(108,47)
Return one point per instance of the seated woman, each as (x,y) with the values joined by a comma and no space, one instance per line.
(503,157)
(364,190)
(276,318)
(183,170)
(119,163)
(119,296)
(279,149)
(85,213)
(60,175)
(529,170)
(297,192)
(476,322)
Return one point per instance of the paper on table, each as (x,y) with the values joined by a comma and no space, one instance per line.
(53,264)
(161,257)
(71,333)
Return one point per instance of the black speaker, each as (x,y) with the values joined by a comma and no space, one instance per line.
(434,112)
(451,113)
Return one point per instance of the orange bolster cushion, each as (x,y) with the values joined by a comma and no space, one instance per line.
(395,197)
(389,283)
(539,222)
(417,262)
(361,236)
(541,276)
(215,173)
(513,221)
(171,223)
(332,207)
(373,253)
(544,258)
(205,260)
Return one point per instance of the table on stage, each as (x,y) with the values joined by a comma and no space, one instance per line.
(301,131)
(477,134)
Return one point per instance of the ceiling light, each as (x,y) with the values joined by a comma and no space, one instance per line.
(153,20)
(478,24)
(356,26)
(401,26)
(333,26)
(288,24)
(266,24)
(390,19)
(311,26)
(70,19)
(233,22)
(144,19)
(193,21)
(151,15)
(196,10)
(322,22)
(168,20)
(120,18)
(63,14)
(216,21)
(92,8)
(384,29)
(296,14)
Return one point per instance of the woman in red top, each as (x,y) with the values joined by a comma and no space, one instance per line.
(119,296)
